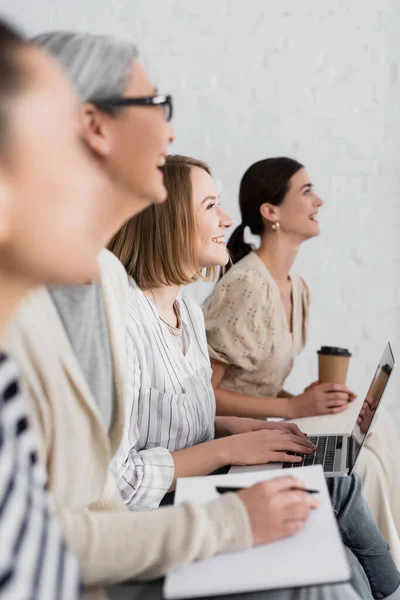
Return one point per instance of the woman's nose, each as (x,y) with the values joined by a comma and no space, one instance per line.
(225,220)
(319,201)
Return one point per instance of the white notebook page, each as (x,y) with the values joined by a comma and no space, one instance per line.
(314,556)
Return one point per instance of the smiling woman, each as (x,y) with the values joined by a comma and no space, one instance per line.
(253,355)
(172,259)
(121,105)
(256,321)
(210,226)
(170,402)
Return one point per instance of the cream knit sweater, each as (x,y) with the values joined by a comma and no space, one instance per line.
(112,543)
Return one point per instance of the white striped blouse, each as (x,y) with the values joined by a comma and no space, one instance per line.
(169,403)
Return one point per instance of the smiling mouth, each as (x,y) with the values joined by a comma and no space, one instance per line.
(314,218)
(219,240)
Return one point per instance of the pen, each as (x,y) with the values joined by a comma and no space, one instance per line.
(221,489)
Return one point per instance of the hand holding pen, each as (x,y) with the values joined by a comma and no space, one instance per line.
(277,508)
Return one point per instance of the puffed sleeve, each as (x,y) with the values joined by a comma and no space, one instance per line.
(238,317)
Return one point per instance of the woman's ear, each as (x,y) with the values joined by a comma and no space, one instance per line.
(95,130)
(269,212)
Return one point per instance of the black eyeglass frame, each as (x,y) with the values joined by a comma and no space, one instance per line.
(122,101)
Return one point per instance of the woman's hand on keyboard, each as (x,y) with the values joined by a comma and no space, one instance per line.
(320,399)
(277,508)
(233,425)
(264,446)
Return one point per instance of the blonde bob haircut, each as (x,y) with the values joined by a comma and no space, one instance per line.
(158,247)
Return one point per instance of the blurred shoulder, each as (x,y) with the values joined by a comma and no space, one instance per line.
(111,266)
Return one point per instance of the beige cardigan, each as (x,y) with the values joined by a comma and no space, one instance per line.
(112,543)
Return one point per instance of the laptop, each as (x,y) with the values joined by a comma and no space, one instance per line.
(338,453)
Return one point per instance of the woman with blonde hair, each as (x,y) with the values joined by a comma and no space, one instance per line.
(171,430)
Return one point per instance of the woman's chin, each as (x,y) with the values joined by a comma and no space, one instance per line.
(313,231)
(317,232)
(223,258)
(218,259)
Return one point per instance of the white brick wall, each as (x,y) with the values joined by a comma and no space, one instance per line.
(319,81)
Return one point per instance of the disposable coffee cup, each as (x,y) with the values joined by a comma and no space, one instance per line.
(333,364)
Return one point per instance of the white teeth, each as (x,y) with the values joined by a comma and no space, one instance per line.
(161,162)
(219,240)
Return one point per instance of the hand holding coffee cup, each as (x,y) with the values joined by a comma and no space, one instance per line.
(328,395)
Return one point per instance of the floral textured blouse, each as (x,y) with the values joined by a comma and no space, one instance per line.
(247,328)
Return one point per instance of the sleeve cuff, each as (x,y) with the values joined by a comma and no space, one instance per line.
(157,474)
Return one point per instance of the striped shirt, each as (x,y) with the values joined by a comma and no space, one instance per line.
(34,560)
(169,403)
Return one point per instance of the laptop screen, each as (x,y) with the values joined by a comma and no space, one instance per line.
(370,404)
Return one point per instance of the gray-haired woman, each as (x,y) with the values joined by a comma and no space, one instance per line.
(129,143)
(71,347)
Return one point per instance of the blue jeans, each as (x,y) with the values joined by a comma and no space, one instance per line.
(362,537)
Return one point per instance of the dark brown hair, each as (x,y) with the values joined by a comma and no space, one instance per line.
(12,74)
(266,181)
(158,247)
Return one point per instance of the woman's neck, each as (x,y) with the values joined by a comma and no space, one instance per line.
(164,299)
(278,254)
(12,291)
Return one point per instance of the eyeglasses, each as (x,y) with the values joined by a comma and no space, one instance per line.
(121,101)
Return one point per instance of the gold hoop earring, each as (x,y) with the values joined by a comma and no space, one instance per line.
(276,226)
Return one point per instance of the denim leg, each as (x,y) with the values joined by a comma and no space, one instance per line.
(359,580)
(361,534)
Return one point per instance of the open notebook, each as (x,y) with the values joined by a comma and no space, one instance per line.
(314,556)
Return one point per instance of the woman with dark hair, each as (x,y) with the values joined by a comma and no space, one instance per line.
(253,355)
(256,321)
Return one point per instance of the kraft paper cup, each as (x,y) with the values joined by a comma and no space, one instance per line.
(333,364)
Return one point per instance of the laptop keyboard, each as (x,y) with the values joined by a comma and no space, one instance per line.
(324,455)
